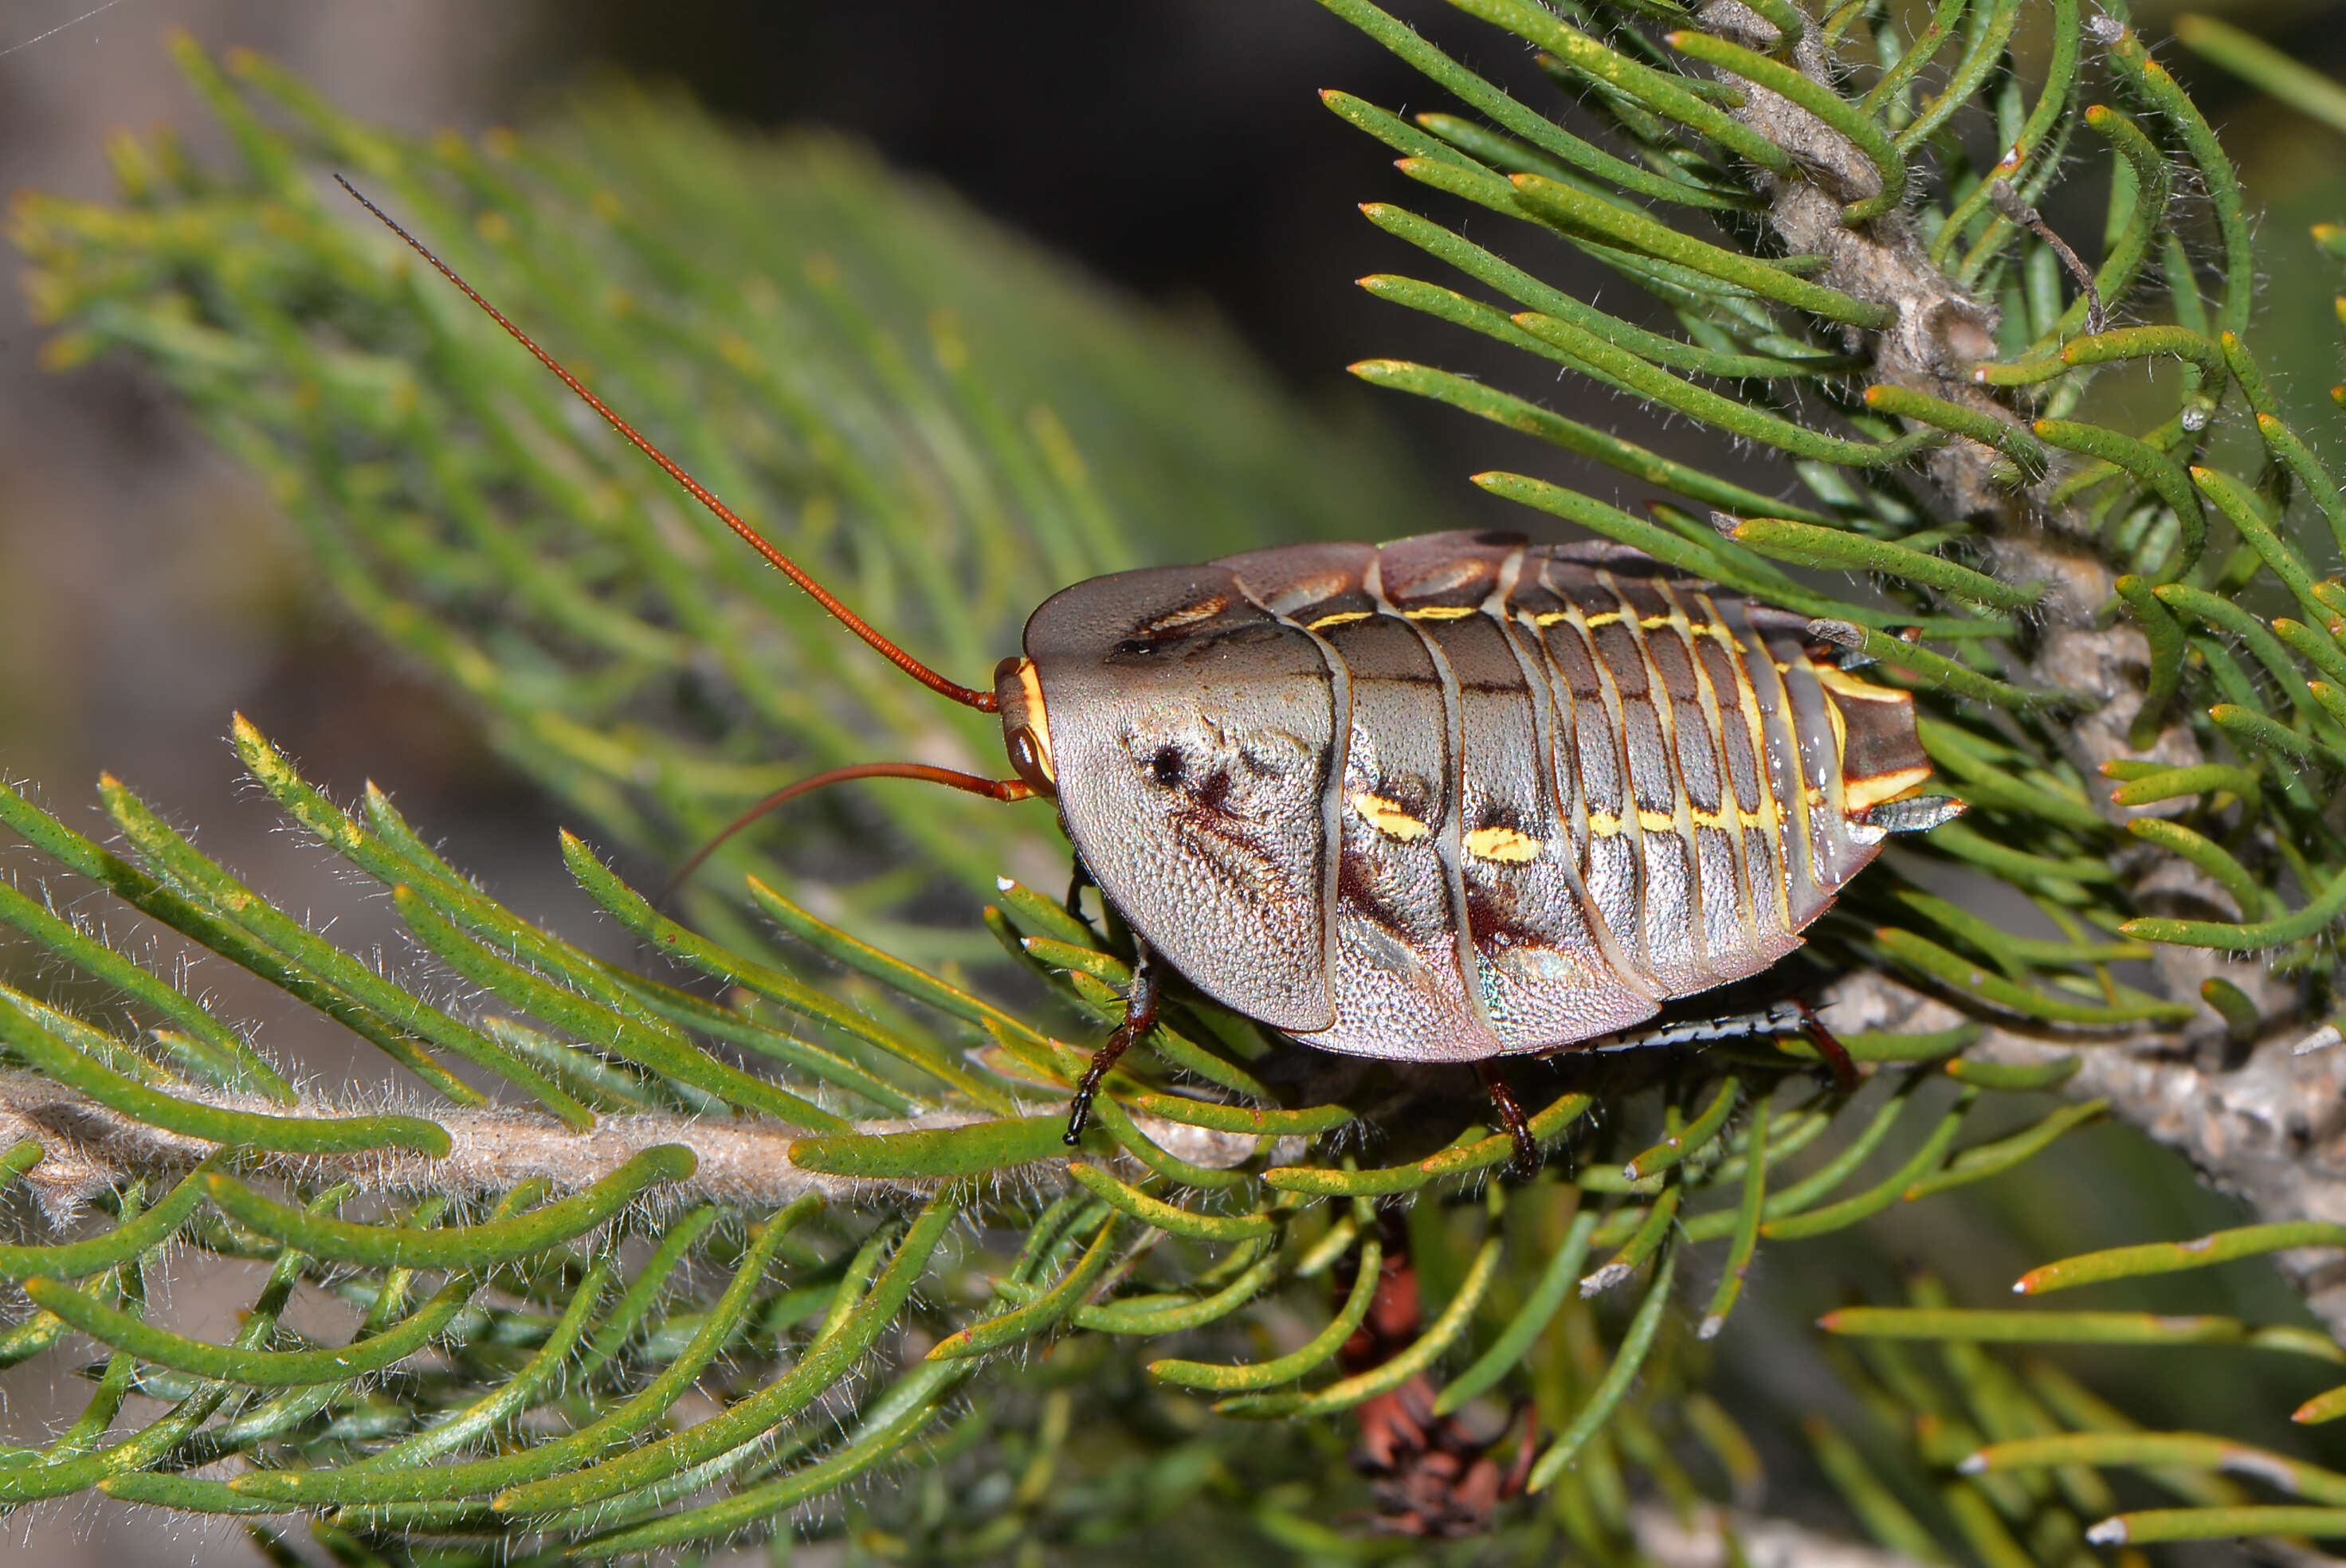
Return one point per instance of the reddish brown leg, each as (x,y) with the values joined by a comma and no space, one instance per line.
(1525,1163)
(1079,878)
(1520,1472)
(1831,1050)
(1140,1018)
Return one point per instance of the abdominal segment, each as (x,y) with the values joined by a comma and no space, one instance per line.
(1575,786)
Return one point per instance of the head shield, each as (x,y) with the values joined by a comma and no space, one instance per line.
(1190,737)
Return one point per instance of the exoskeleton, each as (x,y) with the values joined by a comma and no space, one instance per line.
(1455,798)
(1447,799)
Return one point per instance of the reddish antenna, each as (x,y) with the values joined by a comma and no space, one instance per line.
(984,702)
(1003,790)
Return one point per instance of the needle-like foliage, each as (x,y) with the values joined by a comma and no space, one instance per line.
(637,1259)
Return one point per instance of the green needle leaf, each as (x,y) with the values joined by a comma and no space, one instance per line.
(1790,82)
(1620,1376)
(1576,213)
(2270,71)
(1423,1353)
(244,1066)
(1312,1353)
(1508,111)
(1808,546)
(131,1238)
(254,1368)
(473,1246)
(2032,1327)
(2172,1257)
(215,1123)
(2191,1450)
(821,1365)
(2314,917)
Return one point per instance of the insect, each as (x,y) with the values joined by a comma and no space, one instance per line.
(1447,799)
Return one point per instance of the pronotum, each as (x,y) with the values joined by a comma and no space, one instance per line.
(1452,799)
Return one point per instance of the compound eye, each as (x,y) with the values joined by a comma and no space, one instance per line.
(1168,767)
(1028,760)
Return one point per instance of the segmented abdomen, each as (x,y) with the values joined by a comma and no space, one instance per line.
(1573,785)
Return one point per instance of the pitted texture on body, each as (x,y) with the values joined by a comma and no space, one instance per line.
(1458,797)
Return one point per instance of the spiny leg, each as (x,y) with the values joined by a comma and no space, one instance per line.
(1140,1017)
(1782,1018)
(1844,1071)
(1525,1163)
(1790,1017)
(1079,877)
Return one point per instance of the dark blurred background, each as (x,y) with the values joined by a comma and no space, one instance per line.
(1176,147)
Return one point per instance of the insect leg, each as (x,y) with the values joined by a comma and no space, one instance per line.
(1791,1017)
(1140,1018)
(1079,877)
(1783,1018)
(1526,1162)
(1831,1050)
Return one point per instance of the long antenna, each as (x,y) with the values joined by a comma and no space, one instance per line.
(993,788)
(968,696)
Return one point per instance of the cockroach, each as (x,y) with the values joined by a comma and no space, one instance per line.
(1448,800)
